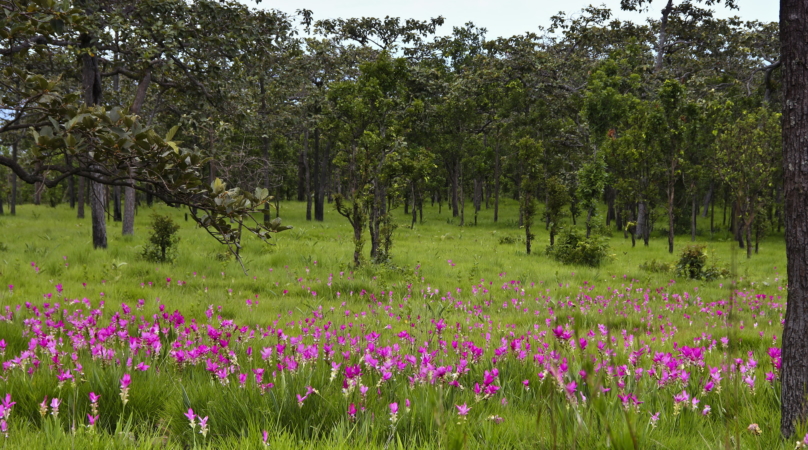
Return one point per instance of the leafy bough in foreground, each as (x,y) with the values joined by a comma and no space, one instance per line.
(112,147)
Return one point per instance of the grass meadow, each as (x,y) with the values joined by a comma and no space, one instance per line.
(460,342)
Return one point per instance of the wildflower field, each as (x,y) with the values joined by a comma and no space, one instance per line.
(461,342)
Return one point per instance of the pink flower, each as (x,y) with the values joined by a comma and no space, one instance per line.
(351,410)
(463,410)
(91,419)
(142,367)
(393,408)
(94,397)
(126,381)
(191,417)
(265,436)
(570,388)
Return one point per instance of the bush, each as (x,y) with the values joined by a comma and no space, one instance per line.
(163,241)
(693,265)
(504,240)
(572,247)
(655,266)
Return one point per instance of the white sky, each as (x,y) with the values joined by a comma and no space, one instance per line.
(501,18)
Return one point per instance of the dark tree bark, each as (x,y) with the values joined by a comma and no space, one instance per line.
(794,47)
(13,201)
(663,36)
(319,179)
(80,200)
(455,187)
(693,214)
(307,173)
(117,216)
(91,84)
(642,222)
(129,191)
(497,175)
(129,211)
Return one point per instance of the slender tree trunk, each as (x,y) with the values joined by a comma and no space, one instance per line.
(129,209)
(117,215)
(319,178)
(97,213)
(708,199)
(497,175)
(663,36)
(71,187)
(307,173)
(265,145)
(455,187)
(129,194)
(610,212)
(13,201)
(712,217)
(693,214)
(81,200)
(91,84)
(462,200)
(414,203)
(749,238)
(642,219)
(671,193)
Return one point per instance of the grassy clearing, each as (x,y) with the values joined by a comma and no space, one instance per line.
(430,329)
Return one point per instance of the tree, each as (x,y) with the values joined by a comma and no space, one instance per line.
(530,153)
(592,179)
(794,41)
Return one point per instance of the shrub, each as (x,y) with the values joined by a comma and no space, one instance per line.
(655,266)
(504,240)
(163,241)
(572,247)
(693,265)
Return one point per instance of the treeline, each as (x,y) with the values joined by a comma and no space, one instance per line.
(660,121)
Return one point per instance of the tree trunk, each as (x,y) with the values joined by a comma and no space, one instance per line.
(708,199)
(455,186)
(497,175)
(265,145)
(794,47)
(671,197)
(749,238)
(97,213)
(319,178)
(642,221)
(71,187)
(129,194)
(414,203)
(117,216)
(307,173)
(38,193)
(693,214)
(81,200)
(92,87)
(662,38)
(610,212)
(13,201)
(129,209)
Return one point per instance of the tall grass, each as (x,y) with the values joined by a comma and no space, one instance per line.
(447,286)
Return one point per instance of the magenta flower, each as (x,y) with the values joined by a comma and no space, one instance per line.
(393,408)
(94,397)
(191,417)
(91,419)
(265,436)
(142,367)
(463,410)
(126,381)
(571,388)
(352,410)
